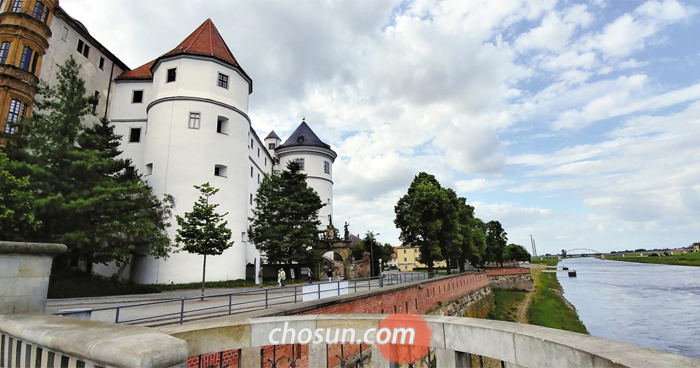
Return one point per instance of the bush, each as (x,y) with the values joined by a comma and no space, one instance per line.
(68,283)
(654,255)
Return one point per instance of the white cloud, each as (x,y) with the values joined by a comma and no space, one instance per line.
(465,187)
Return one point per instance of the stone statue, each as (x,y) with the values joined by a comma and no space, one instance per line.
(347,232)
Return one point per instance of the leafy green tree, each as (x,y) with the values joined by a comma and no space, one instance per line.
(496,240)
(85,196)
(515,252)
(16,218)
(450,235)
(419,216)
(377,251)
(285,224)
(203,231)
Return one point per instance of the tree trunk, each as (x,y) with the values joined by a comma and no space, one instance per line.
(88,265)
(204,272)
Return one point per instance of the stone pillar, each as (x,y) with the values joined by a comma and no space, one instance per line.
(379,361)
(318,356)
(24,275)
(463,360)
(446,358)
(250,357)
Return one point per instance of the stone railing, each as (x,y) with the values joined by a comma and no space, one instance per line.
(51,341)
(454,340)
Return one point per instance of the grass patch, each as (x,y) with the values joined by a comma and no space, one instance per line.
(549,309)
(506,303)
(547,261)
(683,259)
(228,284)
(72,284)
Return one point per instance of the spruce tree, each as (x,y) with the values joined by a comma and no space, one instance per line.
(285,224)
(84,195)
(16,218)
(203,231)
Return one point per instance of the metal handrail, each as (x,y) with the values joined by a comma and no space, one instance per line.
(270,295)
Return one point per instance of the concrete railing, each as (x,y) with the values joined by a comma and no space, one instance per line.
(51,341)
(454,339)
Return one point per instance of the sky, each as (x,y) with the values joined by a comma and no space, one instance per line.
(575,122)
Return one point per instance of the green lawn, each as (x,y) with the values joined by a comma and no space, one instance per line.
(682,259)
(506,304)
(548,307)
(547,261)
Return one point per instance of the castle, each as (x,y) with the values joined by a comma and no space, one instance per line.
(183,118)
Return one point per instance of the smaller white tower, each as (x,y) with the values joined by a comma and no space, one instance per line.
(272,141)
(316,159)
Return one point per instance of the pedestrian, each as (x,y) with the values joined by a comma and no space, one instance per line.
(260,277)
(310,275)
(279,278)
(329,273)
(283,276)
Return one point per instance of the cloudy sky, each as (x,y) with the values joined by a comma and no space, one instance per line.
(576,122)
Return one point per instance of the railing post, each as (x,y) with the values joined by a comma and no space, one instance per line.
(182,310)
(369,284)
(295,294)
(116,316)
(230,297)
(319,291)
(355,282)
(338,284)
(266,292)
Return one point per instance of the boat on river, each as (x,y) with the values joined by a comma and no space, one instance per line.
(572,273)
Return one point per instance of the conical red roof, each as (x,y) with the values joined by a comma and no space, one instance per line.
(204,41)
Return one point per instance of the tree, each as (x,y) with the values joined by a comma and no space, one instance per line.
(377,251)
(419,217)
(16,218)
(203,231)
(563,253)
(496,240)
(450,234)
(515,252)
(285,224)
(85,195)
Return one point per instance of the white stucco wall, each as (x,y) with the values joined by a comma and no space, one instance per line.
(62,47)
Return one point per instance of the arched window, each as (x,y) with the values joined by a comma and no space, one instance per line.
(4,51)
(16,113)
(38,10)
(16,6)
(26,61)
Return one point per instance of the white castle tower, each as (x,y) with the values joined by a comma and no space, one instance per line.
(316,159)
(184,122)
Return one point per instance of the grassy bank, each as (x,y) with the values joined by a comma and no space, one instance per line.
(547,261)
(549,308)
(506,304)
(683,259)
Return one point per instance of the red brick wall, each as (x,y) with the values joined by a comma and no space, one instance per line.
(414,299)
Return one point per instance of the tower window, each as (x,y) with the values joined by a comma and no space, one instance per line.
(300,161)
(4,51)
(258,178)
(26,60)
(102,63)
(137,97)
(220,170)
(16,113)
(251,199)
(251,171)
(97,101)
(17,6)
(271,146)
(222,125)
(258,151)
(172,74)
(326,167)
(40,11)
(149,169)
(195,120)
(135,135)
(223,81)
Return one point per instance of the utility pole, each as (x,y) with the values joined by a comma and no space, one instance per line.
(534,248)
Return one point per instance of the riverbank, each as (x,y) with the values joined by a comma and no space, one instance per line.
(546,306)
(682,259)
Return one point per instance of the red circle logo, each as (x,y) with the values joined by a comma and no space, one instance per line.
(403,338)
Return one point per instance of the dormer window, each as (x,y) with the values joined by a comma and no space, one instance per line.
(300,139)
(271,146)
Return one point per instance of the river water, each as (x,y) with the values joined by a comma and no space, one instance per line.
(655,306)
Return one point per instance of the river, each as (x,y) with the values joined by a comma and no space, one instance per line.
(650,305)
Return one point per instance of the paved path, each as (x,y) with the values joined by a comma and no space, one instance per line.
(166,307)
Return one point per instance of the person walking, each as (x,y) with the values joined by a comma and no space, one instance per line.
(279,277)
(329,273)
(283,276)
(310,274)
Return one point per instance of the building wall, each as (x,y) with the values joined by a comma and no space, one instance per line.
(64,44)
(407,258)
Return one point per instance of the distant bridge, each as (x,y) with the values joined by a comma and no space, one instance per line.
(584,252)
